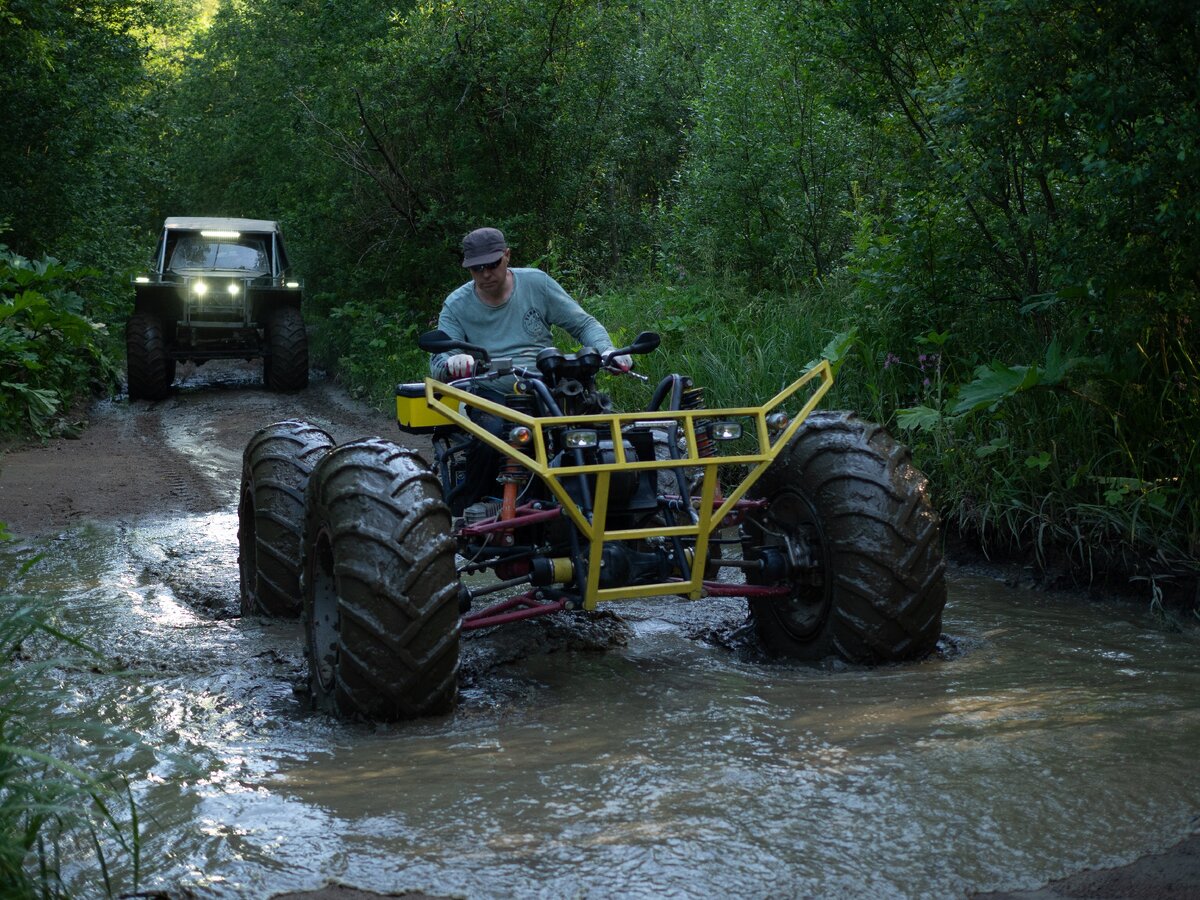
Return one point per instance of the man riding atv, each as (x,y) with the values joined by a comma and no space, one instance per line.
(818,519)
(508,312)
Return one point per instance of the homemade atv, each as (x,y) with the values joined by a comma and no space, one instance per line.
(818,519)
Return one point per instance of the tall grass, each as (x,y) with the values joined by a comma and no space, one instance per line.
(1089,466)
(1037,441)
(54,815)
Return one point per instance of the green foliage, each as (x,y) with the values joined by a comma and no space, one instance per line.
(50,351)
(770,160)
(726,337)
(51,809)
(377,347)
(74,148)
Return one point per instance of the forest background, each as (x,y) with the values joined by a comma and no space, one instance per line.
(986,213)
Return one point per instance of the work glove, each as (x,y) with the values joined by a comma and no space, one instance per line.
(460,365)
(624,362)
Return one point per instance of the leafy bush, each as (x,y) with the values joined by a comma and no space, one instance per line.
(50,351)
(371,346)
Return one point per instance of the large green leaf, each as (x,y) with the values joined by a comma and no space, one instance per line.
(993,384)
(919,418)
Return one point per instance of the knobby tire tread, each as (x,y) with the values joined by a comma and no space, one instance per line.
(396,585)
(287,351)
(149,370)
(888,576)
(276,466)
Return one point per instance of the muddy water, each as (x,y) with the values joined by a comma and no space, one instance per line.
(1049,737)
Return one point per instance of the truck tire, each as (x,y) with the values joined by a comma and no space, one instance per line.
(875,586)
(381,594)
(276,465)
(285,366)
(149,370)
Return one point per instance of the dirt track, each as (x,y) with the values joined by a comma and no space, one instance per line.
(183,456)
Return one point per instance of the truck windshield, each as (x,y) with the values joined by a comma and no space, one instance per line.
(194,253)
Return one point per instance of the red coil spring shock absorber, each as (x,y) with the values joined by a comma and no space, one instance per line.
(513,475)
(693,398)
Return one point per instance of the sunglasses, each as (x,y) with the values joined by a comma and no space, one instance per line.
(487,267)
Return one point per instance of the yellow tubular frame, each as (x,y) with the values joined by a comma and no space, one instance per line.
(596,531)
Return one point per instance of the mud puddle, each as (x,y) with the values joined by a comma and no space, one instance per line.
(649,752)
(628,755)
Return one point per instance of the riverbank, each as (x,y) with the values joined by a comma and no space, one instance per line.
(1173,874)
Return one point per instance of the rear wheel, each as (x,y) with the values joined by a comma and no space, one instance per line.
(850,529)
(381,594)
(148,368)
(276,466)
(285,366)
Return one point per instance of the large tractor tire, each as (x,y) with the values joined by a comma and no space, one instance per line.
(149,370)
(850,521)
(381,594)
(276,465)
(285,365)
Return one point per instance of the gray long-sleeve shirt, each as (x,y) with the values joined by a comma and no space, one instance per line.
(520,327)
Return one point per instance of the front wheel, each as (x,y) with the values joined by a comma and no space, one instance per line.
(850,530)
(149,369)
(381,594)
(276,466)
(285,365)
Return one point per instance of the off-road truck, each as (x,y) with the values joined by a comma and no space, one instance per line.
(818,519)
(217,288)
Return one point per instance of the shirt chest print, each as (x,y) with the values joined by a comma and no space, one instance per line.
(534,324)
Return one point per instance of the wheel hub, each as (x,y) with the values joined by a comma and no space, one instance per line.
(789,541)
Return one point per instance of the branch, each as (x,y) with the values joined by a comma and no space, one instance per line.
(391,163)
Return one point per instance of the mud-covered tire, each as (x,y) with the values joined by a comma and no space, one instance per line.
(149,370)
(381,594)
(876,589)
(285,365)
(276,465)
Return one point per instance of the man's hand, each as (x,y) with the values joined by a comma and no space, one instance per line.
(624,362)
(460,365)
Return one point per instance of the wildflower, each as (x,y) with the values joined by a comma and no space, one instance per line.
(890,360)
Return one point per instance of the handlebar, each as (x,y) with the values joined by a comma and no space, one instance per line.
(438,341)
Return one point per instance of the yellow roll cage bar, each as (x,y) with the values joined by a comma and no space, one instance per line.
(709,514)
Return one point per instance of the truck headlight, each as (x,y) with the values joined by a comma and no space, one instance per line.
(200,288)
(233,289)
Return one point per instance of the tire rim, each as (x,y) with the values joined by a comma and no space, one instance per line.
(790,523)
(324,624)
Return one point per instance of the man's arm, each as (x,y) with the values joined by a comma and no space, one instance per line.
(564,311)
(448,323)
